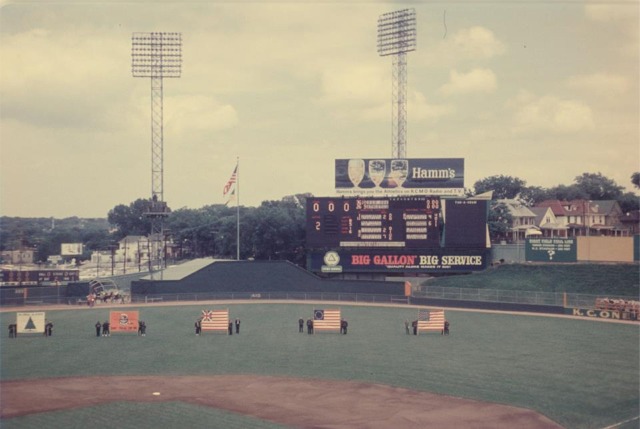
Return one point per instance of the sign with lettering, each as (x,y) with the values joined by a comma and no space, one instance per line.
(423,260)
(551,250)
(385,176)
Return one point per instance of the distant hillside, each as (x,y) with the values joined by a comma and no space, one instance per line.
(595,279)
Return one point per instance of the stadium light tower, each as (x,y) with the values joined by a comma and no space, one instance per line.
(156,56)
(397,36)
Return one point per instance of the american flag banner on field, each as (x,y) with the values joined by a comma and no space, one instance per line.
(215,320)
(229,190)
(326,320)
(430,320)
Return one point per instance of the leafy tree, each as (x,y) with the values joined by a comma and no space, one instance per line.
(568,193)
(532,195)
(502,186)
(499,221)
(130,220)
(598,187)
(635,179)
(629,202)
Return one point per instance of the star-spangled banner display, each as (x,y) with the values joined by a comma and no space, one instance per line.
(423,314)
(215,320)
(433,322)
(326,320)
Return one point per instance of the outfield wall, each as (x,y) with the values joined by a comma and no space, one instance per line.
(574,249)
(605,249)
(484,305)
(260,276)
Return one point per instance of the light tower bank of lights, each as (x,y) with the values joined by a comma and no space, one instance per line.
(156,56)
(397,36)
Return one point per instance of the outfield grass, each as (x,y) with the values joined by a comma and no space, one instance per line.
(580,373)
(592,279)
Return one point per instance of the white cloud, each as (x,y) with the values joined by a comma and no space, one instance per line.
(419,109)
(600,83)
(468,47)
(356,85)
(549,114)
(476,43)
(477,80)
(197,113)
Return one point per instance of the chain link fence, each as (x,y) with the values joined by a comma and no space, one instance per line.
(559,299)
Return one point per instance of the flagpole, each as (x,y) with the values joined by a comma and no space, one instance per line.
(238,209)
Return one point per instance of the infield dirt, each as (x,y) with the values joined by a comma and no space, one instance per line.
(296,402)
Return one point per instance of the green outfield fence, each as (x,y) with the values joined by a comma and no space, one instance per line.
(559,299)
(421,293)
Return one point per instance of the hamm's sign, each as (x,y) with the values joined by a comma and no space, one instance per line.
(436,260)
(386,176)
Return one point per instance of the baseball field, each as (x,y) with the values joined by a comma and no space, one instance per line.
(494,370)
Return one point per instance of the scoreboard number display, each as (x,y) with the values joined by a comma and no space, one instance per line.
(411,222)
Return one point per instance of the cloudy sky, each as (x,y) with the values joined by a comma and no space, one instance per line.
(542,91)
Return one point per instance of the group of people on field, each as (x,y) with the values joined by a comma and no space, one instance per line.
(104,329)
(232,323)
(343,326)
(48,329)
(414,327)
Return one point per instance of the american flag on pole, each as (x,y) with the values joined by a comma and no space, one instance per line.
(229,190)
(326,320)
(430,320)
(215,320)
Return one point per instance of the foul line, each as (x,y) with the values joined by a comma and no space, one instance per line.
(613,426)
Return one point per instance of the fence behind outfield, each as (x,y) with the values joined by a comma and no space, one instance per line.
(421,295)
(557,299)
(212,296)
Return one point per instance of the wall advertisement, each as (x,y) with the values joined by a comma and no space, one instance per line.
(551,250)
(398,261)
(386,176)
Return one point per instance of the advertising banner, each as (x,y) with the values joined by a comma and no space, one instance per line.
(602,314)
(398,261)
(551,250)
(124,321)
(71,249)
(385,176)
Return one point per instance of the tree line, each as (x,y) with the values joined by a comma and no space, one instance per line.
(275,230)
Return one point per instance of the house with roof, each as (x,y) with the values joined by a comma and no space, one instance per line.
(588,218)
(631,221)
(523,220)
(548,223)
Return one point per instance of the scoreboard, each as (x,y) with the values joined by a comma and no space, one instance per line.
(466,223)
(400,222)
